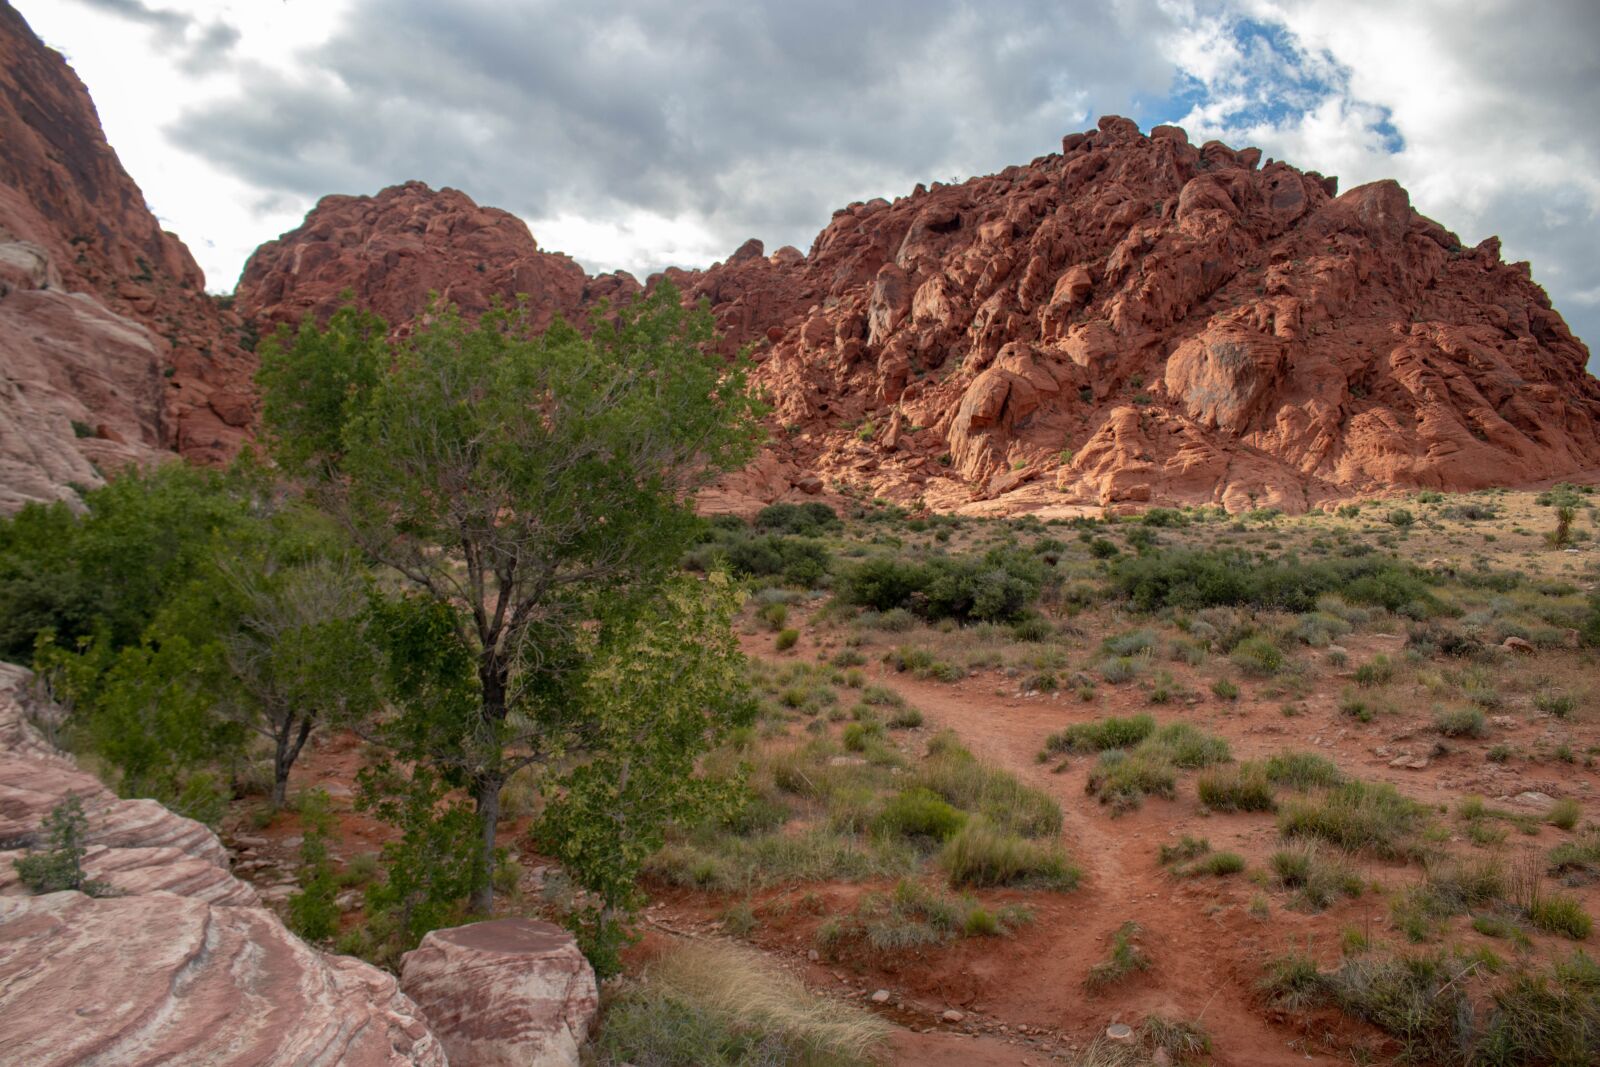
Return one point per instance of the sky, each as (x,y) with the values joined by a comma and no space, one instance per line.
(634,135)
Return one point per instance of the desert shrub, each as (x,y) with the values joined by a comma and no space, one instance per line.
(59,865)
(1560,914)
(811,519)
(1375,672)
(711,1004)
(982,855)
(1564,814)
(786,639)
(996,587)
(905,718)
(1132,643)
(1302,770)
(1245,787)
(1258,657)
(1116,670)
(1460,722)
(919,812)
(800,561)
(1218,864)
(1356,816)
(1224,689)
(1097,736)
(1190,579)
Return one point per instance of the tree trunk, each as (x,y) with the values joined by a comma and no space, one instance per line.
(486,796)
(284,755)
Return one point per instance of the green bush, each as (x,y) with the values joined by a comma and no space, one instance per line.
(1461,722)
(999,586)
(1356,816)
(1302,770)
(1097,736)
(786,639)
(1258,657)
(919,812)
(1191,580)
(1242,788)
(981,855)
(811,519)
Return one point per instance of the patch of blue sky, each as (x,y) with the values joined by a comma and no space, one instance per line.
(1268,80)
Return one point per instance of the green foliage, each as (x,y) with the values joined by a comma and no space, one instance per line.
(1191,580)
(998,586)
(982,855)
(919,812)
(654,702)
(1126,958)
(1101,734)
(529,493)
(108,571)
(1356,816)
(312,911)
(811,519)
(1245,787)
(59,865)
(1258,657)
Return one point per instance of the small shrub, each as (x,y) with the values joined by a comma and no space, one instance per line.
(1356,816)
(787,639)
(919,812)
(1461,722)
(980,855)
(1102,734)
(1564,814)
(1245,787)
(1257,657)
(1223,689)
(1560,914)
(1302,770)
(1126,958)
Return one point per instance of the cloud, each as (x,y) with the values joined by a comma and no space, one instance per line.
(200,48)
(725,120)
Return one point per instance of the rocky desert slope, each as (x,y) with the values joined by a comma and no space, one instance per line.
(1132,320)
(1135,319)
(110,350)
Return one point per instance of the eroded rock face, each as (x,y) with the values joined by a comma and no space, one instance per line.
(1134,320)
(181,964)
(1138,320)
(392,250)
(110,350)
(507,993)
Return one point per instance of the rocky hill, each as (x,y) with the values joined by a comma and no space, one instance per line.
(1136,319)
(110,350)
(1133,320)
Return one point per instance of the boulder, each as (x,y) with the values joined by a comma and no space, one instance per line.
(505,993)
(180,964)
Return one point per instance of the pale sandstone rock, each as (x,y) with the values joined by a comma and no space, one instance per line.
(506,993)
(180,965)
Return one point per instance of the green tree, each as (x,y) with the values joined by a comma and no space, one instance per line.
(60,865)
(313,909)
(532,490)
(665,691)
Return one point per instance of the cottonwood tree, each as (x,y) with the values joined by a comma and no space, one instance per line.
(531,491)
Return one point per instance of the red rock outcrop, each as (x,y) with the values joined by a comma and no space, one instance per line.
(104,319)
(1132,320)
(506,993)
(1140,320)
(181,964)
(393,252)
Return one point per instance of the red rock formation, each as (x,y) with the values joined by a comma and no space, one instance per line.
(139,356)
(181,964)
(394,251)
(1133,320)
(1140,320)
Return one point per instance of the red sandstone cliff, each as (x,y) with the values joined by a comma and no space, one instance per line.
(1136,319)
(110,350)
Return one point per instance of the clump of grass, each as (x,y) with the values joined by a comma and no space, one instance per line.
(1357,816)
(1126,958)
(1122,780)
(786,639)
(972,785)
(1292,982)
(1116,670)
(1315,877)
(1187,848)
(1217,864)
(982,855)
(1245,787)
(1180,1039)
(1461,722)
(914,916)
(1577,861)
(1560,914)
(918,812)
(1375,672)
(1257,657)
(1564,814)
(1554,703)
(1100,735)
(1223,689)
(1302,771)
(720,1005)
(905,718)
